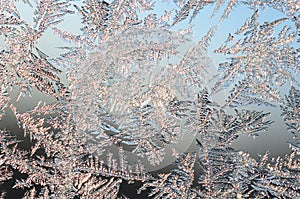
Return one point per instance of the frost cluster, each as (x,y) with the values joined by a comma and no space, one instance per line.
(137,84)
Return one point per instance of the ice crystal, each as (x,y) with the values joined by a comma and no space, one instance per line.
(25,65)
(291,116)
(137,85)
(143,68)
(289,7)
(259,63)
(117,118)
(177,184)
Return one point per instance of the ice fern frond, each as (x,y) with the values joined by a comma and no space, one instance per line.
(195,6)
(194,64)
(291,110)
(26,65)
(4,98)
(89,186)
(204,42)
(259,62)
(244,94)
(50,13)
(216,157)
(291,115)
(59,173)
(95,15)
(288,7)
(187,6)
(176,184)
(266,178)
(227,128)
(228,9)
(244,177)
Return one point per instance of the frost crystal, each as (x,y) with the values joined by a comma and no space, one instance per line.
(177,184)
(137,86)
(130,102)
(260,60)
(291,114)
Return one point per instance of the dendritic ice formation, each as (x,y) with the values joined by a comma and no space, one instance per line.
(127,91)
(136,85)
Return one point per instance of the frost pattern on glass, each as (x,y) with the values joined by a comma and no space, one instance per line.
(26,66)
(289,7)
(130,103)
(176,184)
(291,114)
(261,62)
(138,85)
